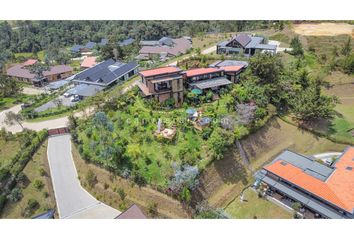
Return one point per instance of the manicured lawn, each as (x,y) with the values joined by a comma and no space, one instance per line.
(40,55)
(9,102)
(255,207)
(44,196)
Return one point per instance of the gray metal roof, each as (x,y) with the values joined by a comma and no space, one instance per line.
(166,41)
(149,43)
(87,90)
(254,42)
(211,83)
(223,44)
(266,47)
(90,45)
(308,165)
(126,42)
(226,63)
(76,48)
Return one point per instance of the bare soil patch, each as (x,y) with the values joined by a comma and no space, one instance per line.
(324,29)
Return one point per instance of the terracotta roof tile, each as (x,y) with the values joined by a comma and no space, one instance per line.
(201,71)
(160,71)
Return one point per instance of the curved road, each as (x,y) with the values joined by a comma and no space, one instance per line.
(73,201)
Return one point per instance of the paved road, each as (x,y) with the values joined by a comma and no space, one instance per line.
(73,201)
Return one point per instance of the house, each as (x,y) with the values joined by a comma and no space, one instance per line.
(88,47)
(103,42)
(162,84)
(76,48)
(325,191)
(106,73)
(232,68)
(126,42)
(164,48)
(246,44)
(22,72)
(206,78)
(88,62)
(133,212)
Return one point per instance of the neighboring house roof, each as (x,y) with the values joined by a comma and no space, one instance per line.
(166,41)
(227,63)
(46,215)
(160,71)
(20,70)
(243,39)
(201,71)
(76,48)
(89,62)
(90,45)
(126,42)
(105,72)
(232,68)
(180,46)
(254,42)
(211,83)
(104,41)
(57,69)
(266,46)
(133,212)
(149,43)
(335,185)
(29,62)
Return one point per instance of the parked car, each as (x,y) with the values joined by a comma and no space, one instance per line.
(75,98)
(67,94)
(25,105)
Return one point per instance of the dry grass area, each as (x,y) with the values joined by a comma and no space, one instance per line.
(44,196)
(210,39)
(277,135)
(223,180)
(340,78)
(105,190)
(324,29)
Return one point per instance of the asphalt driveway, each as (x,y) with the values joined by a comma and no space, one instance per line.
(73,201)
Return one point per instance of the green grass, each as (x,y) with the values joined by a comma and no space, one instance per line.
(9,102)
(8,149)
(281,37)
(255,207)
(39,161)
(40,55)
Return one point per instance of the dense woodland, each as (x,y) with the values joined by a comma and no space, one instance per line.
(34,36)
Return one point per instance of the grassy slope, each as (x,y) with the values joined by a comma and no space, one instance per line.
(39,160)
(8,150)
(143,196)
(253,206)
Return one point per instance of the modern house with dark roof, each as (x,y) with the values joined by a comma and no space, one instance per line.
(165,48)
(89,46)
(162,84)
(326,191)
(21,72)
(107,73)
(246,44)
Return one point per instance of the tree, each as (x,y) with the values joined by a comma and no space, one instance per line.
(11,118)
(38,69)
(296,46)
(246,112)
(347,48)
(9,87)
(348,64)
(310,104)
(267,67)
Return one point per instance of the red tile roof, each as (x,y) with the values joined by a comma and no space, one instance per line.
(89,62)
(181,45)
(338,189)
(29,62)
(201,71)
(159,71)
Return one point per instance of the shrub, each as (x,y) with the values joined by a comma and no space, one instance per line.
(42,172)
(121,193)
(105,186)
(296,206)
(15,195)
(32,204)
(38,184)
(45,194)
(2,202)
(152,209)
(91,178)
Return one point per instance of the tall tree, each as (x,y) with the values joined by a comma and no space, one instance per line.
(296,46)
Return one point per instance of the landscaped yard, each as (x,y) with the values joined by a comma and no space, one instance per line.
(130,131)
(8,150)
(9,102)
(255,207)
(36,186)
